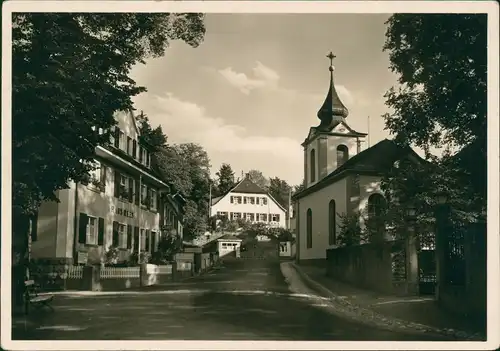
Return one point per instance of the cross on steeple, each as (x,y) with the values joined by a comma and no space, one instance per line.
(331,56)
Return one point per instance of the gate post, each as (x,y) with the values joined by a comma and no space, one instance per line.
(412,273)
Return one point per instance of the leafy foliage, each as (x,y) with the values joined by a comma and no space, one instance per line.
(442,102)
(225,179)
(168,246)
(279,189)
(152,137)
(259,179)
(70,74)
(441,61)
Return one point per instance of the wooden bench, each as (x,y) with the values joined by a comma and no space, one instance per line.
(34,299)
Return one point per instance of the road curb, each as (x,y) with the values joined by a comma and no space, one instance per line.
(366,315)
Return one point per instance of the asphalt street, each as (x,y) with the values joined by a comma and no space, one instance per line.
(247,299)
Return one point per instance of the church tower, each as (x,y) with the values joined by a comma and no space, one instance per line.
(333,142)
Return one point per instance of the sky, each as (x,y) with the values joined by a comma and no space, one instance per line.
(250,92)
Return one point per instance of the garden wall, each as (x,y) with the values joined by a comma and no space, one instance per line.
(380,267)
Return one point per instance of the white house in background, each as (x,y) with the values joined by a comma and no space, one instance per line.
(121,206)
(249,201)
(340,178)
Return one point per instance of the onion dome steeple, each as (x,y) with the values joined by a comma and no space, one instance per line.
(333,110)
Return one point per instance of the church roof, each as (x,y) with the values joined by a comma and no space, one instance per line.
(333,111)
(377,159)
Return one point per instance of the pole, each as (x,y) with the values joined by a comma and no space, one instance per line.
(210,205)
(369,144)
(289,207)
(139,218)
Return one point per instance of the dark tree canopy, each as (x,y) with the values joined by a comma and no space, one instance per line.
(279,190)
(225,179)
(441,63)
(258,178)
(70,74)
(152,137)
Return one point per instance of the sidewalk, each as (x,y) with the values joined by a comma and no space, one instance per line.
(422,312)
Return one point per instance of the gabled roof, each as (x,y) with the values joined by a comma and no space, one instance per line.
(375,160)
(216,199)
(246,186)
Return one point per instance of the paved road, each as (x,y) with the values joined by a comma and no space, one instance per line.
(245,300)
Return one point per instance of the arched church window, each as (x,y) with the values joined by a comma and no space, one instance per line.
(377,207)
(332,223)
(309,228)
(342,155)
(313,165)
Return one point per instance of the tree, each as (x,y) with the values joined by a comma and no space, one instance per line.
(442,102)
(279,190)
(258,178)
(70,74)
(298,188)
(441,61)
(152,137)
(225,179)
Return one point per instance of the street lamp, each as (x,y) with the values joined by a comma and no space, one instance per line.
(411,212)
(441,197)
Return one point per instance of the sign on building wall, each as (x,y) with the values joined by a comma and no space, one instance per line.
(122,212)
(82,257)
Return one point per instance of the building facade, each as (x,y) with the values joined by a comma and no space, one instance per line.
(124,205)
(341,179)
(248,201)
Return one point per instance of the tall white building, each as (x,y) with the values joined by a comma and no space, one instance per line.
(125,205)
(249,201)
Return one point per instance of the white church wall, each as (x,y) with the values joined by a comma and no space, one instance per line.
(332,144)
(318,202)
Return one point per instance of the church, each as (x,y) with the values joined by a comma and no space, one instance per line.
(339,177)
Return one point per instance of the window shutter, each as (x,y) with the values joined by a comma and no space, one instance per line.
(136,239)
(140,153)
(82,234)
(134,148)
(129,139)
(129,236)
(153,242)
(148,197)
(117,137)
(117,183)
(100,232)
(146,248)
(115,234)
(34,227)
(103,177)
(131,190)
(137,192)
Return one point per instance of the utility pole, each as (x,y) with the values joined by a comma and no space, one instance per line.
(369,144)
(289,207)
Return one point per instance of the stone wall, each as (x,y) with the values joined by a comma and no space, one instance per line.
(379,267)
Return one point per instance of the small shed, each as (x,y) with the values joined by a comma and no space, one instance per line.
(228,244)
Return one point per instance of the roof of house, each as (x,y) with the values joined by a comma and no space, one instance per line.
(377,159)
(246,186)
(216,199)
(229,237)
